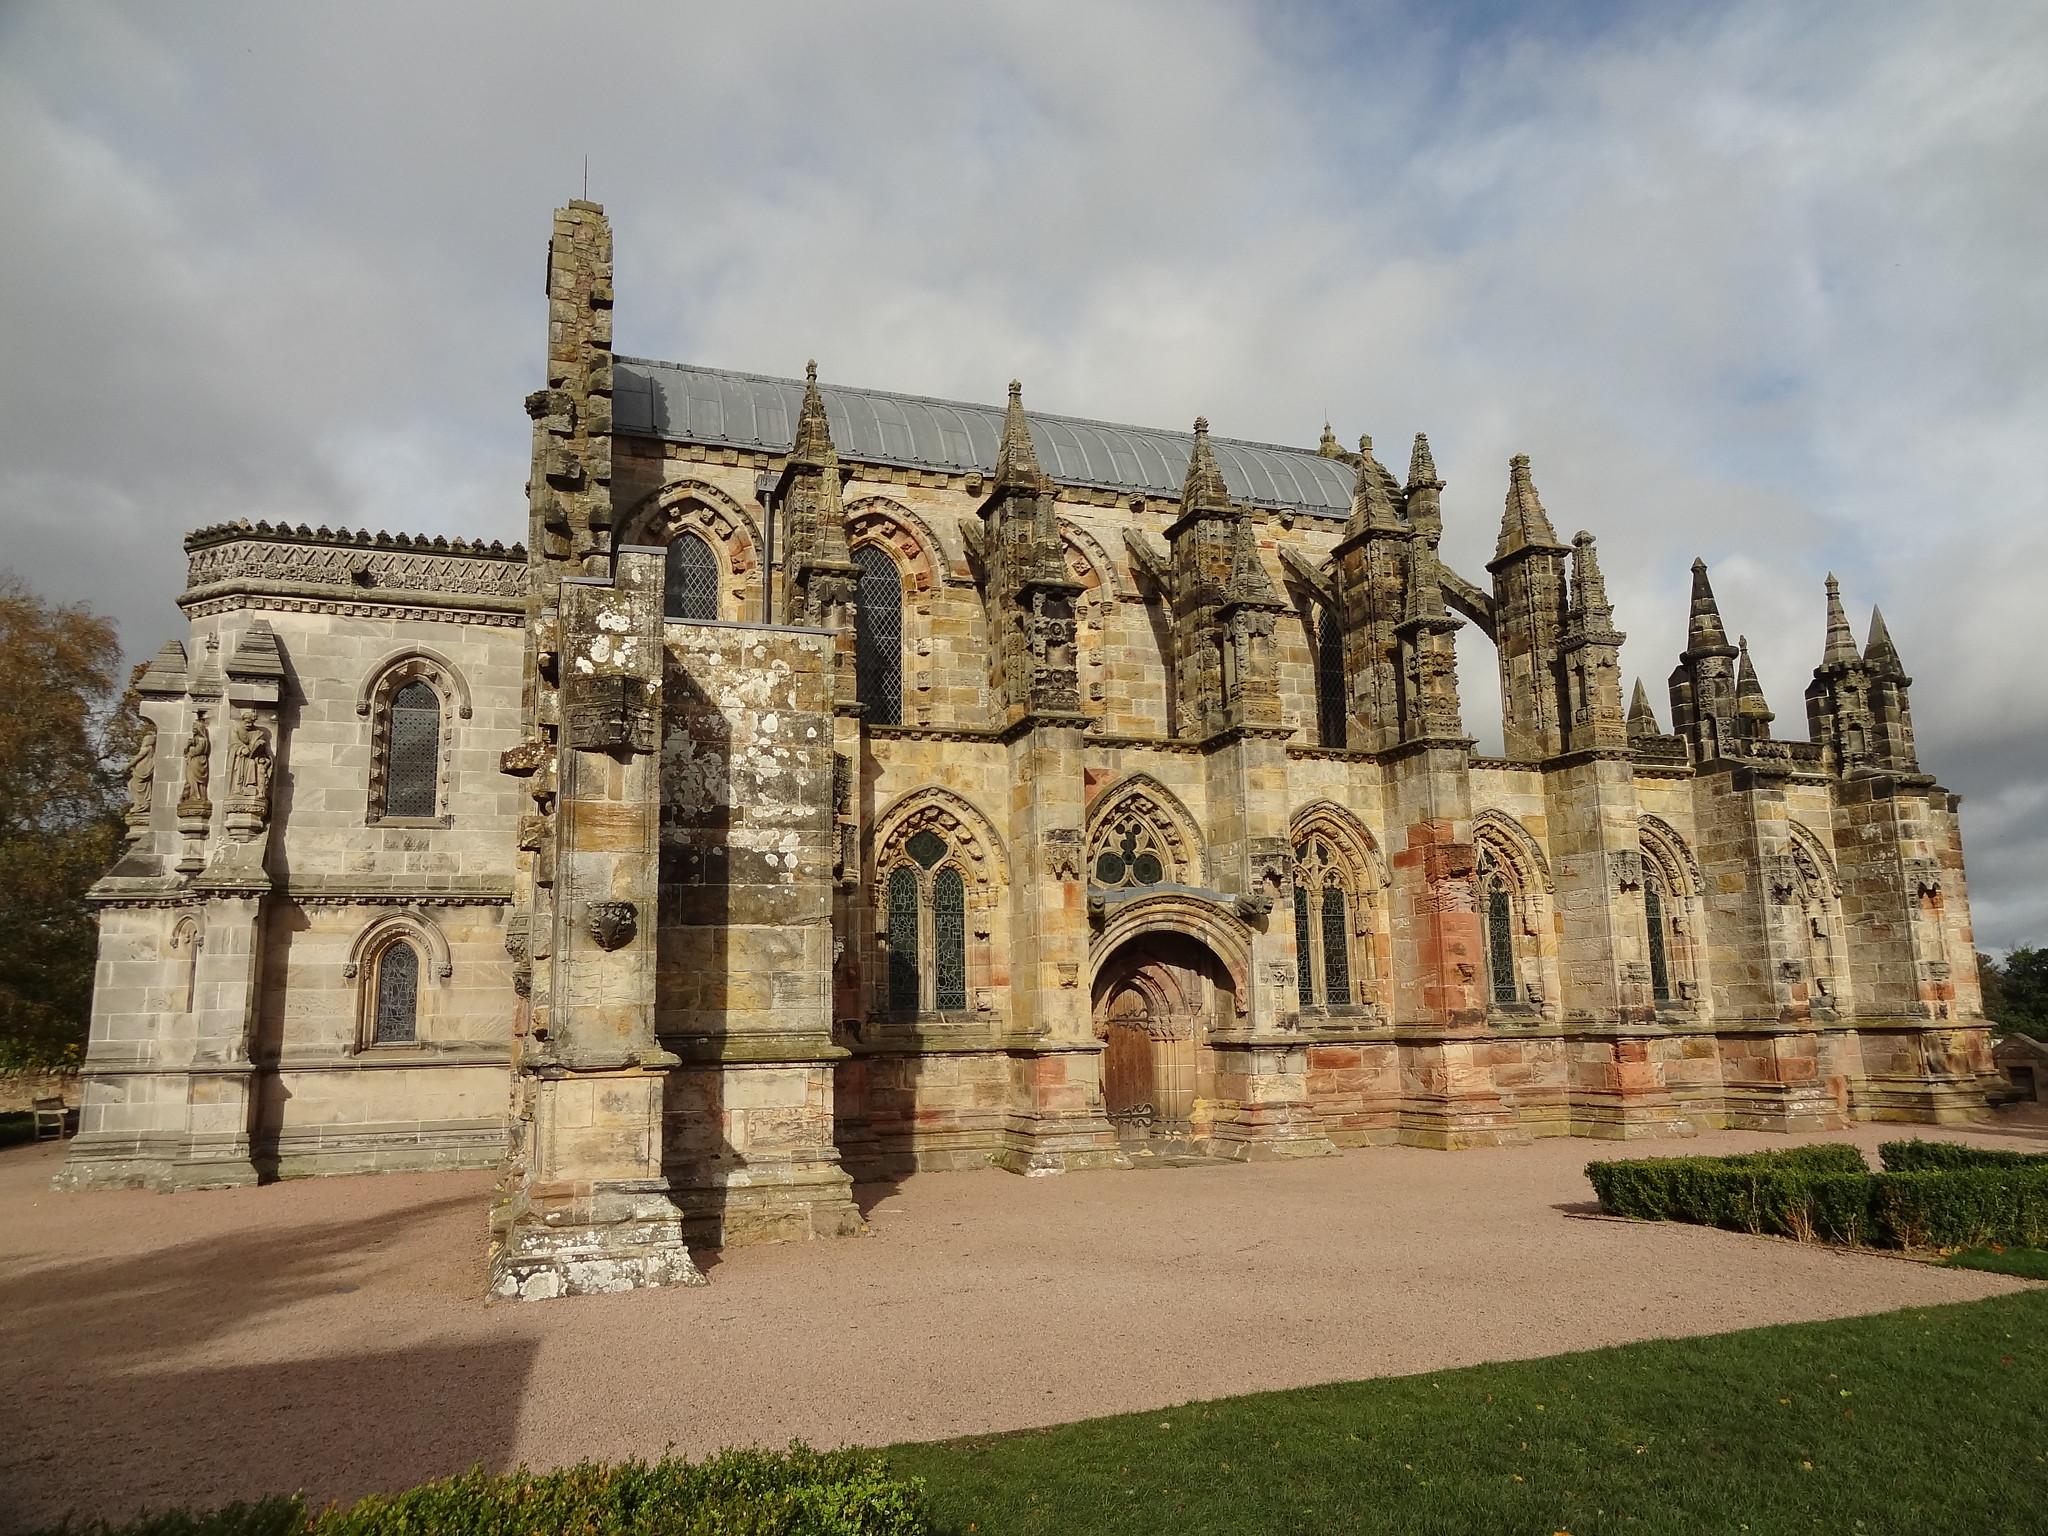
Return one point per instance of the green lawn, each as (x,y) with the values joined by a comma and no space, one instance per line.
(1927,1421)
(2031,1263)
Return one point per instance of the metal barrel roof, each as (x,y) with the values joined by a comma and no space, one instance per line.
(714,406)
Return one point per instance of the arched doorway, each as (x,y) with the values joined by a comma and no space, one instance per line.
(1156,999)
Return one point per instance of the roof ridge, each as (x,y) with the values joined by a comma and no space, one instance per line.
(976,405)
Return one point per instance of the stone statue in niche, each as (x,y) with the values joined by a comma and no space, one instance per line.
(142,778)
(249,765)
(192,796)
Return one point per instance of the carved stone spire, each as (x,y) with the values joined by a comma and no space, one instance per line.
(1329,447)
(1016,457)
(1422,465)
(1753,714)
(1841,644)
(1523,522)
(1880,656)
(1204,490)
(1425,489)
(819,578)
(1642,718)
(813,447)
(1250,584)
(1590,610)
(1372,509)
(1704,633)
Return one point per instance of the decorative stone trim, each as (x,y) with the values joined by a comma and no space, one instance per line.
(1142,801)
(510,615)
(397,890)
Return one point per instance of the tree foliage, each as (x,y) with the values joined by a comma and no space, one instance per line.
(63,741)
(2016,991)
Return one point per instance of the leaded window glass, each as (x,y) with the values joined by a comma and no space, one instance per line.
(1660,964)
(949,939)
(903,979)
(878,636)
(692,579)
(413,767)
(926,846)
(398,996)
(1129,855)
(1304,962)
(1330,712)
(1500,940)
(1336,946)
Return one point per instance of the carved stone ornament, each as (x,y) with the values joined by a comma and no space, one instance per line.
(193,801)
(1063,853)
(611,713)
(250,765)
(142,778)
(612,923)
(1625,869)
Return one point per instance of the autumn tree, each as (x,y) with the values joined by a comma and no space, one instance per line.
(63,740)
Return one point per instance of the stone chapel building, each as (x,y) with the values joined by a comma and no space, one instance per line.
(840,783)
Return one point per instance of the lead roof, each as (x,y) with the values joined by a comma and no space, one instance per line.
(683,402)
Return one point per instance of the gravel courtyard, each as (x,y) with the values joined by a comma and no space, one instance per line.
(328,1335)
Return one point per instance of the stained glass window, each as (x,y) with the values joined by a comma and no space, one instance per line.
(927,847)
(1304,967)
(1336,946)
(692,579)
(1500,940)
(878,636)
(413,768)
(398,996)
(949,939)
(903,990)
(1330,710)
(1660,965)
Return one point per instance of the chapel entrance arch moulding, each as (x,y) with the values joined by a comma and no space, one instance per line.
(1157,996)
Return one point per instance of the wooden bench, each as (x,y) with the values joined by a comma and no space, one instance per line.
(50,1117)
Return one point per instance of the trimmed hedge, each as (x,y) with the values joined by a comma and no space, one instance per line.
(1917,1156)
(799,1492)
(1946,1201)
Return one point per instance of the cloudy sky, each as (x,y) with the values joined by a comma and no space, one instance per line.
(1759,282)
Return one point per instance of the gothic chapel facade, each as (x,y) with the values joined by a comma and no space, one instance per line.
(839,783)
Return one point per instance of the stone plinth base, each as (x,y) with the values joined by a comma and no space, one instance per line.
(767,1204)
(534,1260)
(128,1162)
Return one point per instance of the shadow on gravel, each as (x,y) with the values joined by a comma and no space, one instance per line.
(333,1427)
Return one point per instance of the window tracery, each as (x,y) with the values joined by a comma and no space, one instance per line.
(878,635)
(1498,907)
(1331,712)
(691,585)
(398,995)
(937,867)
(411,741)
(1670,884)
(1141,837)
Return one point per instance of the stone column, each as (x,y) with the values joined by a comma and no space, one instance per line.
(592,1211)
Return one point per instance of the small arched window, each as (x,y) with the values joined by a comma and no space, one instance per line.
(1304,947)
(1336,945)
(691,579)
(1326,884)
(878,636)
(1498,907)
(1330,710)
(398,995)
(1660,950)
(412,779)
(927,928)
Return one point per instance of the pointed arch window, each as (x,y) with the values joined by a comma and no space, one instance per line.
(1498,910)
(878,635)
(927,928)
(1329,901)
(412,777)
(691,579)
(1660,954)
(1330,705)
(398,995)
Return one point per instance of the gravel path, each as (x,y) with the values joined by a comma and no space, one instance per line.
(327,1335)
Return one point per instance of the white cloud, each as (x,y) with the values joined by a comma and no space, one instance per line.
(1761,284)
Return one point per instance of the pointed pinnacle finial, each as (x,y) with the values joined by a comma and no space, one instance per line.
(813,433)
(1523,522)
(1016,458)
(1840,650)
(1704,632)
(1016,390)
(1329,447)
(1642,718)
(1421,463)
(1880,655)
(811,371)
(1371,506)
(1589,603)
(1749,693)
(1204,486)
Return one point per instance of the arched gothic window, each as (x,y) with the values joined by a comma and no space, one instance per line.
(878,635)
(412,779)
(1330,708)
(1660,937)
(398,995)
(1497,912)
(927,928)
(1328,906)
(692,579)
(1819,922)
